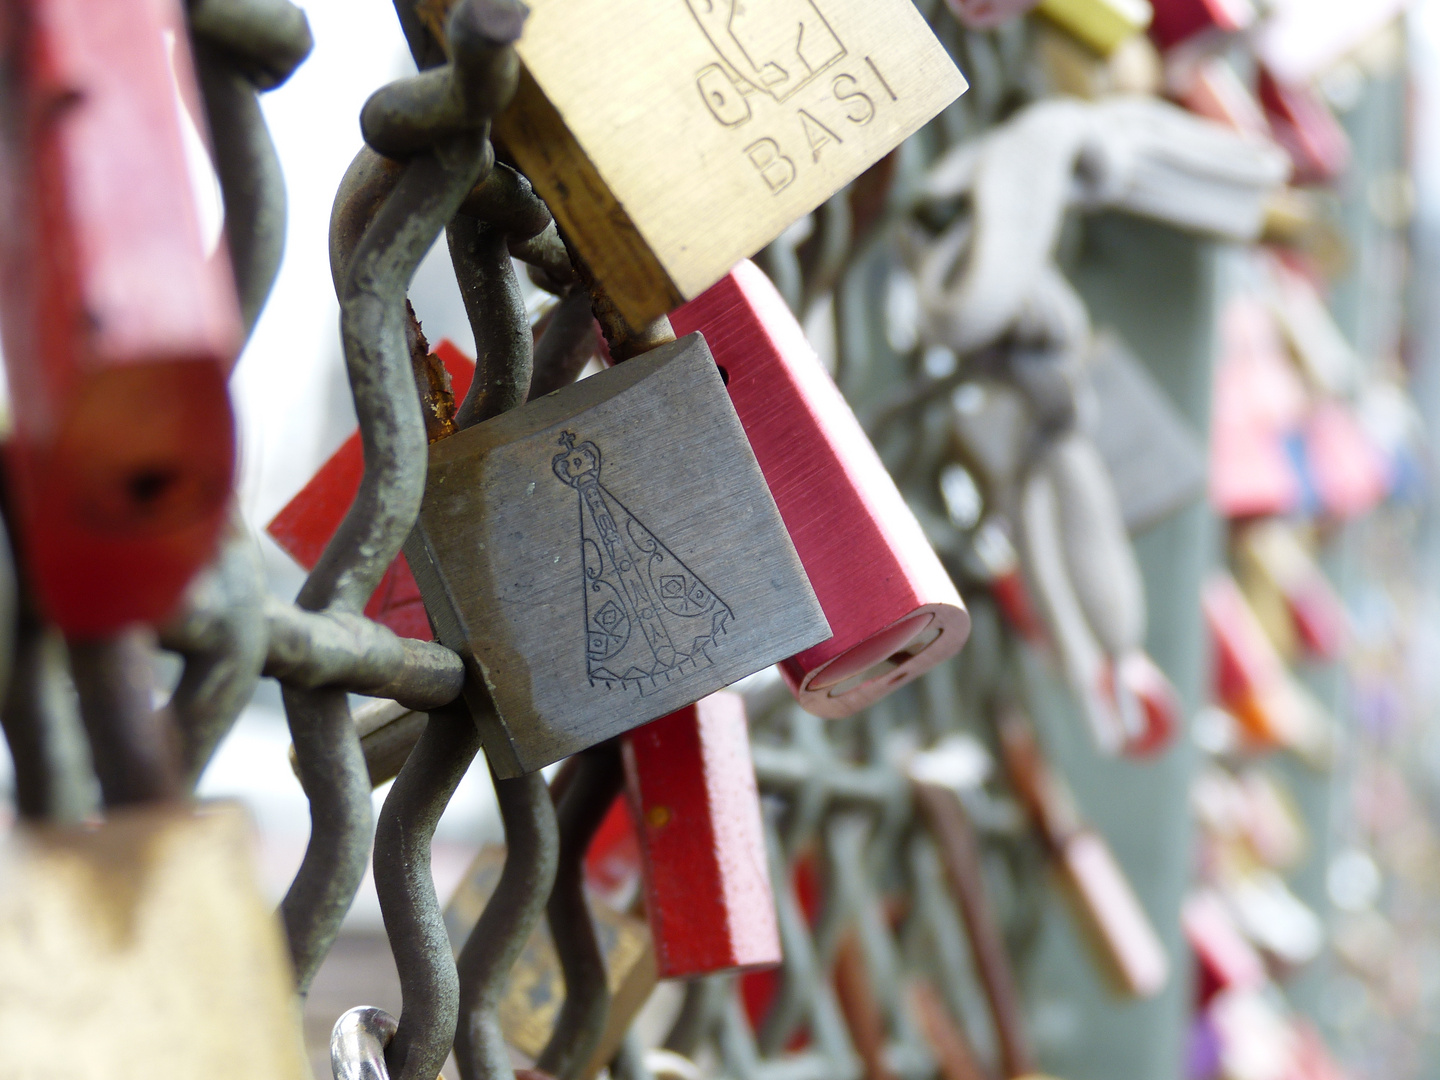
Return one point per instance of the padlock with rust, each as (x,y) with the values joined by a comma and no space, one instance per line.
(119,325)
(763,112)
(894,611)
(605,555)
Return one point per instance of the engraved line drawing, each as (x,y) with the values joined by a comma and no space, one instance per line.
(766,46)
(633,583)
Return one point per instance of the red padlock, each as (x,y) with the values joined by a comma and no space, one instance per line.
(307,522)
(1251,680)
(893,609)
(119,327)
(1213,89)
(1225,959)
(1303,124)
(1179,20)
(696,809)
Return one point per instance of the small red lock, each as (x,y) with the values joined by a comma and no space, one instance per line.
(696,809)
(893,609)
(119,328)
(1179,20)
(1303,124)
(308,521)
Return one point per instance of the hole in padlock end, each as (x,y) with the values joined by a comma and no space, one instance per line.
(893,668)
(149,448)
(862,661)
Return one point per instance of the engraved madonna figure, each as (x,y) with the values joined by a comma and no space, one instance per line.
(648,617)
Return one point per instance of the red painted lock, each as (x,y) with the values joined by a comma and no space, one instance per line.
(988,14)
(310,519)
(1213,89)
(1303,124)
(119,328)
(1225,959)
(893,609)
(1179,20)
(1251,680)
(696,809)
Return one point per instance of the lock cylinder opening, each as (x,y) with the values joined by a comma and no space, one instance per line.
(877,656)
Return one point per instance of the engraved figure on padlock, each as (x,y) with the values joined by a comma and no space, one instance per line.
(633,582)
(774,46)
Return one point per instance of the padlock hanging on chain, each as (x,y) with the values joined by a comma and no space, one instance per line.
(605,555)
(894,611)
(119,314)
(741,120)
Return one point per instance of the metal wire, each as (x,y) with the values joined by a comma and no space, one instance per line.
(582,793)
(440,118)
(130,741)
(429,983)
(532,854)
(221,634)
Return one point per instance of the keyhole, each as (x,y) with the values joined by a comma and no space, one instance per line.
(148,486)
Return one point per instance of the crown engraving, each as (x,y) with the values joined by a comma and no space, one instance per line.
(576,464)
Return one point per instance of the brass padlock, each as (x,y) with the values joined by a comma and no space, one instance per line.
(671,140)
(535,990)
(606,555)
(1104,25)
(143,941)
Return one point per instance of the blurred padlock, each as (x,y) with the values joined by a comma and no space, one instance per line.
(1303,124)
(891,606)
(1112,921)
(763,112)
(1274,561)
(535,990)
(1073,68)
(697,815)
(120,319)
(1252,682)
(1224,958)
(1213,89)
(1180,20)
(1103,25)
(605,555)
(143,946)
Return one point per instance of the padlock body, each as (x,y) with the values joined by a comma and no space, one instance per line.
(535,986)
(740,120)
(143,947)
(605,555)
(692,793)
(119,326)
(1179,20)
(894,611)
(1103,25)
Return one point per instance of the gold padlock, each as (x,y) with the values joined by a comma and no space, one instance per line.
(535,990)
(1104,25)
(143,946)
(673,139)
